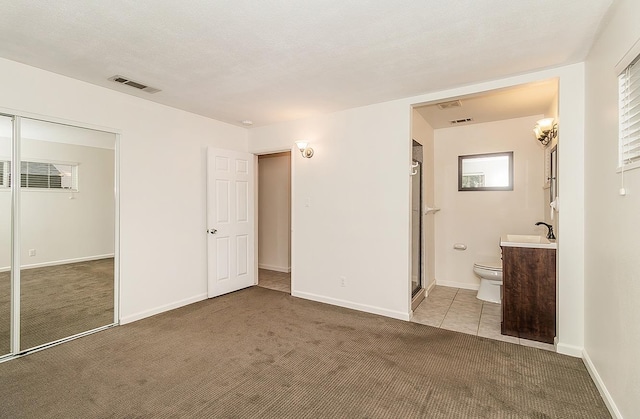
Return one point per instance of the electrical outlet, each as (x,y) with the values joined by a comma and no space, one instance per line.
(32,252)
(343,281)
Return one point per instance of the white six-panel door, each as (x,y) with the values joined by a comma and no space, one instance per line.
(230,221)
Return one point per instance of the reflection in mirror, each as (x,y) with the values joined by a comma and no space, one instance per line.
(67,230)
(5,235)
(553,182)
(486,172)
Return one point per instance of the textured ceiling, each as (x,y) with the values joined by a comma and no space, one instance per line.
(276,60)
(524,100)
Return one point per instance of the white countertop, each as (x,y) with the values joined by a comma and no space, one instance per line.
(525,240)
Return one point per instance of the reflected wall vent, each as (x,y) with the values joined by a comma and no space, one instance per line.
(460,121)
(135,84)
(450,104)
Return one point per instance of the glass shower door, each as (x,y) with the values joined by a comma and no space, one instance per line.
(416,219)
(416,229)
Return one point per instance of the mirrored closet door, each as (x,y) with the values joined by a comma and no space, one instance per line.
(63,233)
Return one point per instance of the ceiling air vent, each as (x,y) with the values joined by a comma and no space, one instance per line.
(460,121)
(450,104)
(139,86)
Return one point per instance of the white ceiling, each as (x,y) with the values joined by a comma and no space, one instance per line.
(525,100)
(276,60)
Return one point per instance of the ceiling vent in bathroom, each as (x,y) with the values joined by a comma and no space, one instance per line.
(460,121)
(139,86)
(450,104)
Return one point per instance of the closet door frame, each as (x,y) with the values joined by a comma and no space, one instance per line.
(16,118)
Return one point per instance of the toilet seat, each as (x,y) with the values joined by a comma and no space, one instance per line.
(492,265)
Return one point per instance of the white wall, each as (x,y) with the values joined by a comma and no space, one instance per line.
(350,206)
(478,218)
(357,186)
(162,224)
(274,212)
(612,271)
(64,226)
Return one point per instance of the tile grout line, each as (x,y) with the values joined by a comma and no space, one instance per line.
(448,308)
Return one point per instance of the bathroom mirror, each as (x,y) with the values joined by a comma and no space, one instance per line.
(486,172)
(553,175)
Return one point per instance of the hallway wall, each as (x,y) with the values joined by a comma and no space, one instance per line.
(274,212)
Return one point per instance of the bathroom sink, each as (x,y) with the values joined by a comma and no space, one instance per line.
(527,240)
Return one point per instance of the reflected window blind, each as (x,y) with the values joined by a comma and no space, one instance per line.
(5,170)
(629,118)
(41,175)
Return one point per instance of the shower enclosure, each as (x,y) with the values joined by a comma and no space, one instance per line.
(417,270)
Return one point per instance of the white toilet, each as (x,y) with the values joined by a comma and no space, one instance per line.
(490,273)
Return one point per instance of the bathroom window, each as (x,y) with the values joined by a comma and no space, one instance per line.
(629,110)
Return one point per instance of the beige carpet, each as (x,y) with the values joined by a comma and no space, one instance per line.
(259,353)
(58,301)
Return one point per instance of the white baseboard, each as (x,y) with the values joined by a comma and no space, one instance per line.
(355,306)
(606,396)
(571,350)
(463,285)
(60,262)
(430,287)
(148,313)
(274,268)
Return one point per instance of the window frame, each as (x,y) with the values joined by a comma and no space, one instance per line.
(74,175)
(630,60)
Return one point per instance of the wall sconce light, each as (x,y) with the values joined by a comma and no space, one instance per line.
(546,130)
(304,148)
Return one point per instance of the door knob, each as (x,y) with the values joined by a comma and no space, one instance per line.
(212,231)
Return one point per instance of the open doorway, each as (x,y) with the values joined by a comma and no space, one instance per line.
(467,224)
(274,221)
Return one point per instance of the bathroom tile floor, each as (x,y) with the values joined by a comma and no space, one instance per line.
(459,310)
(279,281)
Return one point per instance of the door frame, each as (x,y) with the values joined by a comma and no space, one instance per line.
(265,152)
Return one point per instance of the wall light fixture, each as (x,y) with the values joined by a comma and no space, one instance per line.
(546,130)
(304,148)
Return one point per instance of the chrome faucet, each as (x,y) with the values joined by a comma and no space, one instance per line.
(550,235)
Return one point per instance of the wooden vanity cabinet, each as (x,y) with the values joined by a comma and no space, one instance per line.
(529,293)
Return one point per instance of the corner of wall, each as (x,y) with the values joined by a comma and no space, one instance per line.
(602,388)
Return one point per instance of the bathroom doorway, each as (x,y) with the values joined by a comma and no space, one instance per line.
(274,221)
(467,224)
